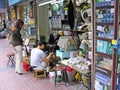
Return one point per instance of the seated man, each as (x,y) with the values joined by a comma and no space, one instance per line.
(38,57)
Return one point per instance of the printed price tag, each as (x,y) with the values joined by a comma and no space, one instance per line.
(114,42)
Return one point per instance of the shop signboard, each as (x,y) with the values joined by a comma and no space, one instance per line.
(11,2)
(16,2)
(2,4)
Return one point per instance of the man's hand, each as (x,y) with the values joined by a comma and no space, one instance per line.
(49,56)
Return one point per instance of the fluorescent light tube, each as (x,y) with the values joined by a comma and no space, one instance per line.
(57,1)
(52,1)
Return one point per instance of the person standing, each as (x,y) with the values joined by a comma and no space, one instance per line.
(17,43)
(4,24)
(2,31)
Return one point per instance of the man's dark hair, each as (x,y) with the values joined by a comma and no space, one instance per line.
(41,43)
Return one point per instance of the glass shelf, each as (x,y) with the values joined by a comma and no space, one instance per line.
(105,7)
(103,24)
(103,69)
(104,54)
(104,39)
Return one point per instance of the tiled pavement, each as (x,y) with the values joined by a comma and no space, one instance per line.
(9,80)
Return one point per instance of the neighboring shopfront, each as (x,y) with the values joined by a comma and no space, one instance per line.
(2,11)
(43,21)
(22,9)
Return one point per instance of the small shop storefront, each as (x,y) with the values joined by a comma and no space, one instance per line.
(96,23)
(22,9)
(3,11)
(89,40)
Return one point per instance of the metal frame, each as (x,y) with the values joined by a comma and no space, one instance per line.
(116,6)
(93,46)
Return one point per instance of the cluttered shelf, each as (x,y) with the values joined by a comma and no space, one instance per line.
(103,24)
(105,7)
(118,71)
(56,28)
(104,54)
(105,39)
(80,31)
(103,69)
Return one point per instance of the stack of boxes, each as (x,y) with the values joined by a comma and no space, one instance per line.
(102,3)
(102,81)
(68,46)
(118,82)
(106,63)
(105,16)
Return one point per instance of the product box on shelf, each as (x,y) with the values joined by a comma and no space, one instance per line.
(105,16)
(101,86)
(118,82)
(102,46)
(98,86)
(73,54)
(109,48)
(70,48)
(66,42)
(86,80)
(102,78)
(63,54)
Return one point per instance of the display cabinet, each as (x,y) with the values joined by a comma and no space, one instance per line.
(105,28)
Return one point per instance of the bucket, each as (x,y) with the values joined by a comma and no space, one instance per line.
(71,74)
(25,66)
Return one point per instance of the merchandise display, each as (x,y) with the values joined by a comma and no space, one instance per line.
(81,63)
(77,46)
(118,82)
(58,16)
(68,43)
(106,45)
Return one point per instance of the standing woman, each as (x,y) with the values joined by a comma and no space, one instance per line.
(17,43)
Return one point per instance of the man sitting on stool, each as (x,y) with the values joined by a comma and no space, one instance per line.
(38,57)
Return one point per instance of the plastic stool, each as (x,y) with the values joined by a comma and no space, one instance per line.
(37,75)
(60,68)
(11,58)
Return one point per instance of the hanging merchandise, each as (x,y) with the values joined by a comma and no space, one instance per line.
(49,13)
(84,46)
(86,14)
(13,13)
(71,14)
(78,2)
(31,14)
(118,46)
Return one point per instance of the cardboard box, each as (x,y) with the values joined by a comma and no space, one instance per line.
(73,54)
